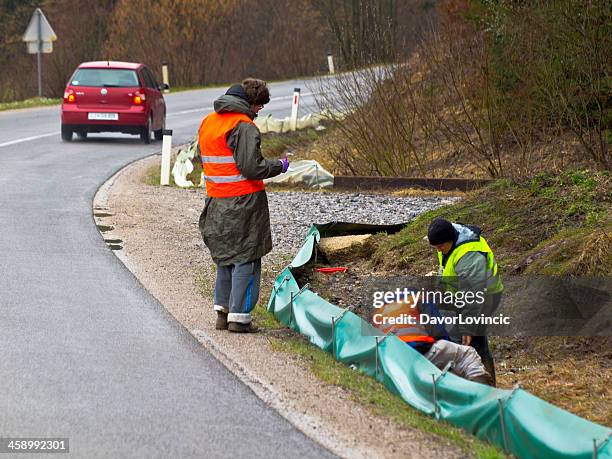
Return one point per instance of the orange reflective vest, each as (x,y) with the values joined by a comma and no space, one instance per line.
(402,320)
(223,178)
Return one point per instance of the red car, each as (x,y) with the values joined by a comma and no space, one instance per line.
(109,96)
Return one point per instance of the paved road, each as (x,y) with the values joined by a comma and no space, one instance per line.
(86,353)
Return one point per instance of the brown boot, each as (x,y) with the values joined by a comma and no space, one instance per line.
(221,323)
(237,327)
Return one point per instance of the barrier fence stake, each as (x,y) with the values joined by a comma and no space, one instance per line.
(276,289)
(500,405)
(596,446)
(293,297)
(335,320)
(281,284)
(376,359)
(515,389)
(295,106)
(435,378)
(165,160)
(306,285)
(333,336)
(344,311)
(435,397)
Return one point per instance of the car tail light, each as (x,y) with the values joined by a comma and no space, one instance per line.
(69,96)
(138,98)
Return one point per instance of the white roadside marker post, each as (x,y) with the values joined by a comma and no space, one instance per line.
(165,78)
(294,109)
(330,63)
(165,162)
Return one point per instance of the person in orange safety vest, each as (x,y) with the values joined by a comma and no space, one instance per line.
(403,318)
(235,222)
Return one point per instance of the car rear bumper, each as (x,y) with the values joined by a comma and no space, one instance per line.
(105,127)
(130,119)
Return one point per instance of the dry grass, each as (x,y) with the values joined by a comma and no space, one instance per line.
(574,373)
(595,254)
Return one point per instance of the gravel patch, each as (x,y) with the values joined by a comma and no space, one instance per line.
(292,212)
(155,233)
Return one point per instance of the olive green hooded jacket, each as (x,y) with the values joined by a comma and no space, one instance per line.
(237,229)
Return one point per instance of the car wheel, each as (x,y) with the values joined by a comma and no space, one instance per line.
(145,135)
(66,133)
(159,134)
(81,134)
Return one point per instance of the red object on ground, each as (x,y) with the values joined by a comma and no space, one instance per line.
(339,269)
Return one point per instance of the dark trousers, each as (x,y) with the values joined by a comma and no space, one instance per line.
(481,343)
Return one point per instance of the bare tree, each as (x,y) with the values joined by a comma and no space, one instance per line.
(377,121)
(364,30)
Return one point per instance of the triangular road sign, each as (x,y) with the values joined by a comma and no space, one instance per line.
(46,32)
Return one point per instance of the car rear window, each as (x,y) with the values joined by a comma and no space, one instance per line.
(108,78)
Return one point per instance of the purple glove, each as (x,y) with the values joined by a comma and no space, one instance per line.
(285,163)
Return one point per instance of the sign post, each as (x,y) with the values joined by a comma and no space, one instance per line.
(39,37)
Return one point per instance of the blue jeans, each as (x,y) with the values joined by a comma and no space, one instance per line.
(237,290)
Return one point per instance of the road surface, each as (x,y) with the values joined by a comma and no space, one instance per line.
(87,353)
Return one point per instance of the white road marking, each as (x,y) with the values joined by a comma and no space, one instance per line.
(184,112)
(27,139)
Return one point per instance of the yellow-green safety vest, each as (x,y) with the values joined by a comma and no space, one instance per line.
(449,275)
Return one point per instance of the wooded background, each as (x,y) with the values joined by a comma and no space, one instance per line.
(206,41)
(444,88)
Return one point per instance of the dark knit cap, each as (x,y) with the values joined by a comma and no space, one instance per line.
(441,231)
(238,91)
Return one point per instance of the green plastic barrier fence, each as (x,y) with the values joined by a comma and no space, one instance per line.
(516,420)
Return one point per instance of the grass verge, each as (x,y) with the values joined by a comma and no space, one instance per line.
(29,103)
(152,176)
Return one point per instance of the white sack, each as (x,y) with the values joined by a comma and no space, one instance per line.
(183,166)
(306,172)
